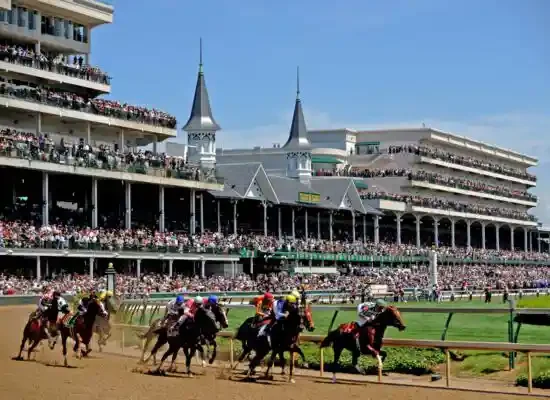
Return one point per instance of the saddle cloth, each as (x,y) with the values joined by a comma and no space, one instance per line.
(350,327)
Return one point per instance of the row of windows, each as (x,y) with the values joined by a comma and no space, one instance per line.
(54,26)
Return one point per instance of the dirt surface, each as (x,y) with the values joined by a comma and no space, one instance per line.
(106,376)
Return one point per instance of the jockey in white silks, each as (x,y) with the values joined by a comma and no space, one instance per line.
(366,314)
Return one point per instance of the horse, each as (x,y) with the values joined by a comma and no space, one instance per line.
(209,336)
(248,332)
(284,336)
(344,338)
(81,330)
(102,326)
(34,332)
(188,337)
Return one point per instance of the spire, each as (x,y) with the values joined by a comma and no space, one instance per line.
(201,118)
(297,139)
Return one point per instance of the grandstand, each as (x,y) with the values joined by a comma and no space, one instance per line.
(86,184)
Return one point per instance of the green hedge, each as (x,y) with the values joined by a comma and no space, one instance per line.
(541,381)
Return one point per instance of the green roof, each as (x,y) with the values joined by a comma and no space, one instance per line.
(325,160)
(360,184)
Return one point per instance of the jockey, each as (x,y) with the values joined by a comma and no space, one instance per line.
(62,307)
(281,309)
(264,308)
(174,309)
(190,308)
(211,301)
(366,314)
(44,302)
(298,296)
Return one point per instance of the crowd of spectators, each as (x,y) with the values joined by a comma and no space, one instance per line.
(59,64)
(27,235)
(444,204)
(73,101)
(454,278)
(41,147)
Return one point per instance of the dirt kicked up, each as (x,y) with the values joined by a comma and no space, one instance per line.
(106,376)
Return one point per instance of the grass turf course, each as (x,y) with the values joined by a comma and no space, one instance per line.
(464,327)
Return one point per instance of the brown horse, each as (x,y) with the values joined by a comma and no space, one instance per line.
(371,339)
(81,330)
(34,332)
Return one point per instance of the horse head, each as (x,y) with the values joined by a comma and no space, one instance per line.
(206,321)
(94,309)
(390,317)
(307,318)
(221,315)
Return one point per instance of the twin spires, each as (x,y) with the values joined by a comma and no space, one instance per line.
(297,138)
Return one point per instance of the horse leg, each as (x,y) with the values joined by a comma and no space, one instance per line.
(76,346)
(270,364)
(291,373)
(200,350)
(161,341)
(22,346)
(172,367)
(337,353)
(189,351)
(214,351)
(298,350)
(64,343)
(165,356)
(244,353)
(355,354)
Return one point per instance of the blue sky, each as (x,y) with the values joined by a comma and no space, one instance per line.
(476,68)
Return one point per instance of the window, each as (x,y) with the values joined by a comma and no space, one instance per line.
(11,14)
(67,29)
(32,15)
(3,16)
(21,17)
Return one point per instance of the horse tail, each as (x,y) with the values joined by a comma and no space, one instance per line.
(244,329)
(330,338)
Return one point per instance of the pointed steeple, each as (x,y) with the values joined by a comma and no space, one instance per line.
(297,138)
(201,118)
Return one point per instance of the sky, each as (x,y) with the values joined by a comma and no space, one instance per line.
(475,68)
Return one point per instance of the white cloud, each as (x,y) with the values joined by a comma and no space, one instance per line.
(521,132)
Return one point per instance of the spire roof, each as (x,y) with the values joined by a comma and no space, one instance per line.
(297,138)
(201,118)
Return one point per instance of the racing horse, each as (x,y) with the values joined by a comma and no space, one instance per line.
(81,330)
(284,336)
(208,335)
(344,337)
(33,333)
(102,326)
(189,337)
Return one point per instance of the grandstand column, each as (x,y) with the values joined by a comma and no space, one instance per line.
(91,266)
(483,225)
(94,203)
(89,133)
(264,204)
(319,225)
(436,231)
(218,215)
(418,222)
(251,265)
(538,241)
(306,223)
(45,199)
(170,268)
(453,236)
(138,267)
(512,228)
(525,240)
(121,140)
(376,229)
(279,223)
(364,228)
(38,123)
(192,209)
(203,268)
(201,203)
(293,224)
(330,225)
(353,225)
(234,216)
(468,233)
(37,44)
(128,204)
(38,269)
(161,208)
(497,236)
(398,221)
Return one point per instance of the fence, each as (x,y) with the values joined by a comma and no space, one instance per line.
(446,346)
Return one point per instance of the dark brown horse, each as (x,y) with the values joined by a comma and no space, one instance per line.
(81,330)
(34,332)
(371,339)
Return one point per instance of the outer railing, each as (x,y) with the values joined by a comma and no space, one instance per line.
(446,346)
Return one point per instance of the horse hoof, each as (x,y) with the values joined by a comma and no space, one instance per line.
(305,365)
(18,358)
(333,379)
(291,381)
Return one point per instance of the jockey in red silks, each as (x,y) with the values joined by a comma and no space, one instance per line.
(264,309)
(190,308)
(44,302)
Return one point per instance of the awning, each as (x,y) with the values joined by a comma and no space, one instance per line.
(360,184)
(325,160)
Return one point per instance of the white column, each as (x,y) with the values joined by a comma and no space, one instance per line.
(219,216)
(417,220)
(138,268)
(497,236)
(279,223)
(201,201)
(293,224)
(306,223)
(538,241)
(468,233)
(45,199)
(353,225)
(95,205)
(91,266)
(128,203)
(47,268)
(38,123)
(319,225)
(453,233)
(89,133)
(525,240)
(235,216)
(121,140)
(192,210)
(264,204)
(531,241)
(155,142)
(37,23)
(436,231)
(203,268)
(251,265)
(364,228)
(398,220)
(170,268)
(377,229)
(161,208)
(38,269)
(512,228)
(483,235)
(330,225)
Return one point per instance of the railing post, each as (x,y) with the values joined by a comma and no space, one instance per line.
(122,337)
(511,355)
(529,373)
(231,351)
(322,363)
(447,368)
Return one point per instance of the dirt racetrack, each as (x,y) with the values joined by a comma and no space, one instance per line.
(104,376)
